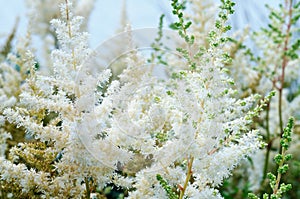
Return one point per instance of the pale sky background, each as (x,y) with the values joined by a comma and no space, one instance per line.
(105,18)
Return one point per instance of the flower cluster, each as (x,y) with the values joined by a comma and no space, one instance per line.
(81,128)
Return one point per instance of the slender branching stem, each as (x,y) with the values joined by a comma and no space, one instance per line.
(279,174)
(188,177)
(270,142)
(289,5)
(68,19)
(70,32)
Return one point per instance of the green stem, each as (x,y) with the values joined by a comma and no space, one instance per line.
(188,177)
(284,64)
(68,19)
(279,174)
(70,33)
(266,165)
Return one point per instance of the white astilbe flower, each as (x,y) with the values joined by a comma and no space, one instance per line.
(28,180)
(12,76)
(219,165)
(203,15)
(71,99)
(14,73)
(9,81)
(145,180)
(85,123)
(198,118)
(40,14)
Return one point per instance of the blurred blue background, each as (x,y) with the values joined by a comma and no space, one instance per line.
(106,16)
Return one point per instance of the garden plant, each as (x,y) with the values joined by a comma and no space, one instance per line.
(192,109)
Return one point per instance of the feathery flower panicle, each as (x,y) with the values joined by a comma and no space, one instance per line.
(40,13)
(200,120)
(58,108)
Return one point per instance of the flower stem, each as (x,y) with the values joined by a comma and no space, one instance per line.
(266,165)
(279,174)
(70,33)
(188,177)
(285,60)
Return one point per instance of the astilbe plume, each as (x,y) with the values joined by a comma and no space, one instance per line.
(40,13)
(203,124)
(53,109)
(14,71)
